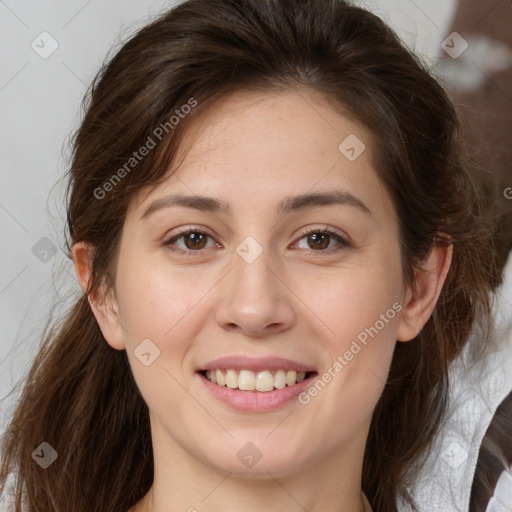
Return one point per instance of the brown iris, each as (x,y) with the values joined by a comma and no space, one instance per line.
(195,240)
(320,240)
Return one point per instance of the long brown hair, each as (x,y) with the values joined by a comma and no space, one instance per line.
(80,395)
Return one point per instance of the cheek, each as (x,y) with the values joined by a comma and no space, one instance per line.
(154,303)
(359,314)
(160,306)
(357,305)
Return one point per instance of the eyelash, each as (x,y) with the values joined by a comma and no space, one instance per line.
(309,231)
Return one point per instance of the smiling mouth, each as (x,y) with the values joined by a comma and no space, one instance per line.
(262,381)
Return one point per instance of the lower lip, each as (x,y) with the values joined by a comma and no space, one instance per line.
(256,401)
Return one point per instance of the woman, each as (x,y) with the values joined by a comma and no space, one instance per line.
(280,251)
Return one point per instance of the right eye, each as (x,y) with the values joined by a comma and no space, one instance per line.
(193,241)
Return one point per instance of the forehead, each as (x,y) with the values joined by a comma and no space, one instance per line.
(279,128)
(270,145)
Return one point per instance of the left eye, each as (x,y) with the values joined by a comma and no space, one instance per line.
(320,240)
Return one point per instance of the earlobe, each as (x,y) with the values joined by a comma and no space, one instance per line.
(103,303)
(429,278)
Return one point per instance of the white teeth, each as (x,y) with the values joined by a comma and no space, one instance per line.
(291,378)
(264,381)
(231,379)
(247,380)
(280,379)
(221,380)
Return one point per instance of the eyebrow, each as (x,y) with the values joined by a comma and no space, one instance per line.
(287,205)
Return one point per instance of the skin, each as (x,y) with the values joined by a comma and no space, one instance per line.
(295,300)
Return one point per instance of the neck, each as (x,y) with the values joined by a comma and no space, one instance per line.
(332,483)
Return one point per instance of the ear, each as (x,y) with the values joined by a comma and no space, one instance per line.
(420,301)
(103,304)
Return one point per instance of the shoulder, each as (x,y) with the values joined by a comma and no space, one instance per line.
(492,484)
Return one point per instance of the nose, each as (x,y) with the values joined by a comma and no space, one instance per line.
(255,299)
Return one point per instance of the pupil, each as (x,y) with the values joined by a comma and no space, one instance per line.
(195,240)
(322,245)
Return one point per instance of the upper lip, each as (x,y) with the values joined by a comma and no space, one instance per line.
(237,362)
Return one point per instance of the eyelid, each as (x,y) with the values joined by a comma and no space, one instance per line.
(324,228)
(192,228)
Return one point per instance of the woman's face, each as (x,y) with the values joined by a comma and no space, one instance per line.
(256,282)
